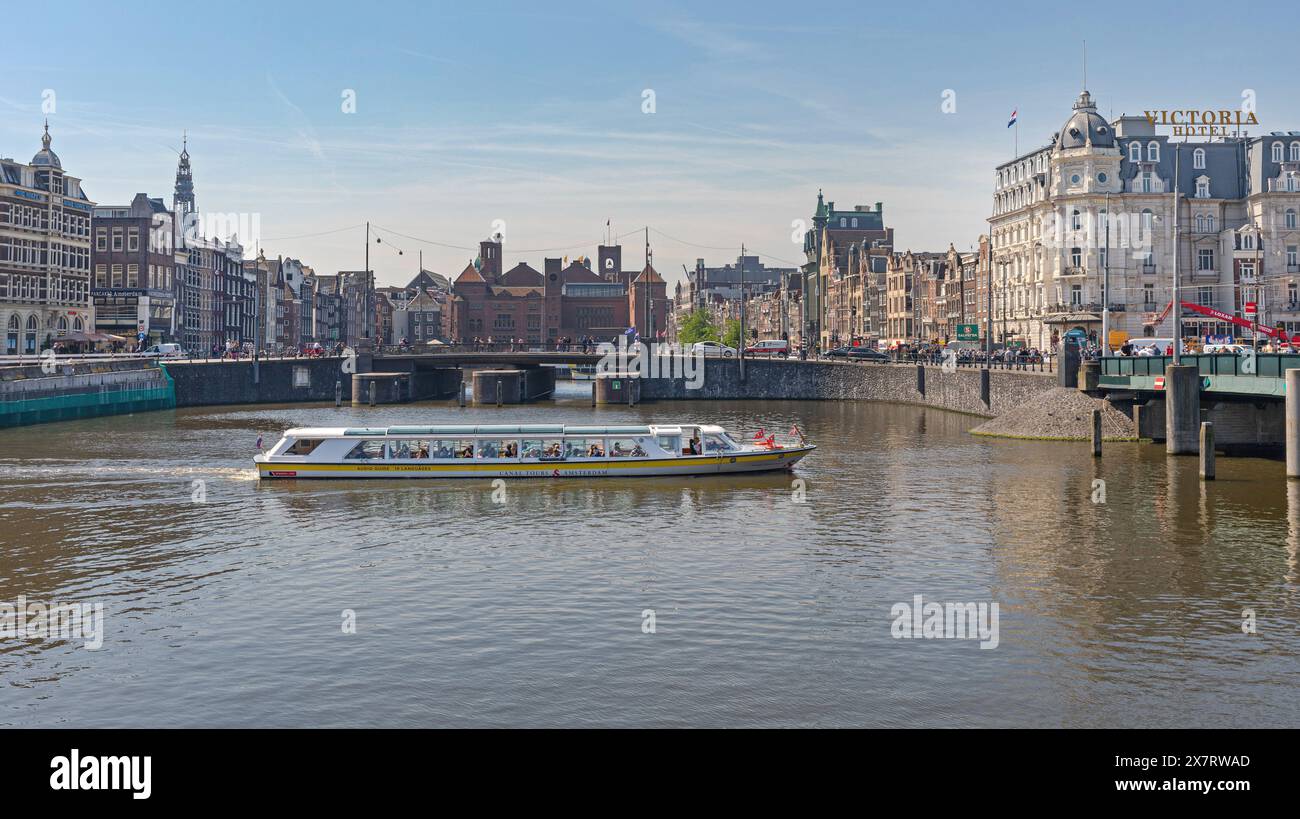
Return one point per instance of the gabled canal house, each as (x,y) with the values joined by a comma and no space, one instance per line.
(45,223)
(1238,200)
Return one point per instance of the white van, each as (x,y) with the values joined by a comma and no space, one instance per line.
(165,351)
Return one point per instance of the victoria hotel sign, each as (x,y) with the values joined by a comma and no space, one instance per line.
(1208,122)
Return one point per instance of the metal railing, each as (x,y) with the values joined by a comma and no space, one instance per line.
(1267,365)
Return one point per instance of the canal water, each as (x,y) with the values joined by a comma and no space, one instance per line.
(725,601)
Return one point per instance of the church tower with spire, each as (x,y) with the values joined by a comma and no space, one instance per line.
(183,198)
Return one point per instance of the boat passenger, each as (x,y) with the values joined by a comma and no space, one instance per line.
(594,451)
(638,452)
(695,445)
(467,452)
(617,451)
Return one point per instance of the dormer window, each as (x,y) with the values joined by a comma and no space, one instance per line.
(1135,152)
(1277,151)
(1153,151)
(1295,151)
(1198,159)
(1247,241)
(1203,187)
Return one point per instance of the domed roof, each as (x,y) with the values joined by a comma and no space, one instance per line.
(46,157)
(1086,127)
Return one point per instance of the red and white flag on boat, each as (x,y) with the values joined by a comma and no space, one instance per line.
(758,436)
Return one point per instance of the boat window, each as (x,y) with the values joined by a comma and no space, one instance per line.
(494,448)
(542,449)
(584,448)
(715,443)
(448,448)
(626,448)
(367,451)
(670,443)
(302,446)
(411,449)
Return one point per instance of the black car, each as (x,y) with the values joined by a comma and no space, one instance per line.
(838,352)
(866,354)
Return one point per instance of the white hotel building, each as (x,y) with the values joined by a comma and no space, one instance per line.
(1239,197)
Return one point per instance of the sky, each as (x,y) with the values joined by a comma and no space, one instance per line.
(534,118)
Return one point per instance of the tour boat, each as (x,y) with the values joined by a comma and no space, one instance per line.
(524,451)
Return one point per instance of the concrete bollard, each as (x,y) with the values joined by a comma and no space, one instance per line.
(1096,433)
(1182,409)
(985,393)
(338,394)
(1293,423)
(498,392)
(1207,451)
(372,393)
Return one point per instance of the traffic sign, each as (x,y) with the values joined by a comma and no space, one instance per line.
(1250,309)
(968,332)
(1160,382)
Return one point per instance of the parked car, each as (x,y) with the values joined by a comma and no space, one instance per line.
(769,347)
(713,349)
(164,351)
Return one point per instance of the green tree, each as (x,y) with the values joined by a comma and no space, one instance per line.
(696,326)
(731,334)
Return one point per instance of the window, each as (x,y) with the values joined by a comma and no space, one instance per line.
(1149,294)
(133,240)
(843,222)
(410,450)
(1205,296)
(1291,294)
(1277,151)
(1295,151)
(855,221)
(1153,151)
(117,275)
(1247,241)
(1076,220)
(498,449)
(1205,259)
(1198,158)
(367,451)
(542,449)
(117,239)
(670,443)
(101,275)
(101,239)
(1292,258)
(1135,152)
(449,449)
(1076,295)
(1209,223)
(626,448)
(1147,184)
(303,446)
(1289,219)
(584,448)
(1203,188)
(1076,257)
(133,275)
(1200,223)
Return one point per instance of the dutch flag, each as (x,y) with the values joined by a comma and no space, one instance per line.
(1013,117)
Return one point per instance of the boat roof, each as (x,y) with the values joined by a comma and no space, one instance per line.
(494,429)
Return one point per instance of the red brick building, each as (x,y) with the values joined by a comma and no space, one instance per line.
(561,301)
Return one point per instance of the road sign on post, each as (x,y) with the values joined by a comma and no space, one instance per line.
(1250,310)
(968,332)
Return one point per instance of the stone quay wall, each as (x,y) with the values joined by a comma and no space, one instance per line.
(923,385)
